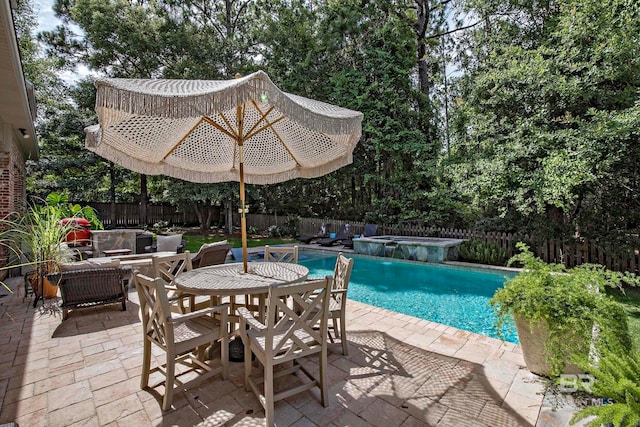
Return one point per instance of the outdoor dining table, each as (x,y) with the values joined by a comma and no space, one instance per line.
(230,280)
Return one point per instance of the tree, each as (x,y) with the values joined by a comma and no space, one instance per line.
(545,115)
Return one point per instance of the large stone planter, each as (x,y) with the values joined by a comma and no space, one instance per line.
(532,342)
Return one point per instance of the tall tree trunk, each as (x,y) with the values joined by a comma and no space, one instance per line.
(422,22)
(144,200)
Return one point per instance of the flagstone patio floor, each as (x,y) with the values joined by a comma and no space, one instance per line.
(401,371)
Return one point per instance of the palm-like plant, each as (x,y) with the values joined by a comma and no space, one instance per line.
(36,238)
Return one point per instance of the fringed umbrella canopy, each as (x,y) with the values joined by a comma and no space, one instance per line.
(244,130)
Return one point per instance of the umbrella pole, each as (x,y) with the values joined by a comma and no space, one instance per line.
(243,210)
(243,218)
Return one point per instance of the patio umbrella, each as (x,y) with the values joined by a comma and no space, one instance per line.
(207,131)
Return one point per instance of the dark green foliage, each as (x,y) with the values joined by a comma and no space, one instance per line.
(482,252)
(617,377)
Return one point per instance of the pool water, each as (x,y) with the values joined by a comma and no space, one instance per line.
(452,296)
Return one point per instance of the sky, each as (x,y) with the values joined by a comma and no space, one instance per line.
(48,21)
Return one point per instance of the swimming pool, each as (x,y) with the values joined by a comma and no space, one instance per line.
(449,295)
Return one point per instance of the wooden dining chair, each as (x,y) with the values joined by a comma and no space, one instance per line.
(167,268)
(338,300)
(281,254)
(271,254)
(183,337)
(285,337)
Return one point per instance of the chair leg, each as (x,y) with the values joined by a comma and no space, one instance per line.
(224,355)
(343,334)
(169,382)
(146,363)
(324,392)
(269,407)
(247,364)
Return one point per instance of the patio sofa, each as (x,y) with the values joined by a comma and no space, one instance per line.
(91,283)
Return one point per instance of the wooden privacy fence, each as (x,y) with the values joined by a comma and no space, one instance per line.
(570,252)
(128,214)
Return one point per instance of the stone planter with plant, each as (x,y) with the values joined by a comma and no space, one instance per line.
(565,304)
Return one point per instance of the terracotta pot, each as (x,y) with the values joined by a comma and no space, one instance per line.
(532,341)
(48,290)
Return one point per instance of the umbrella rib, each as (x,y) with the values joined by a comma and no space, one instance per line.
(262,117)
(230,133)
(270,126)
(182,139)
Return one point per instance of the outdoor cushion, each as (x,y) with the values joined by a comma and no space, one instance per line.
(90,264)
(169,243)
(208,245)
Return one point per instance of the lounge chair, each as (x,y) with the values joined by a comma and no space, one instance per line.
(344,234)
(211,254)
(369,230)
(322,233)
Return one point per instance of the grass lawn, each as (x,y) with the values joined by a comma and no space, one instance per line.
(630,300)
(194,242)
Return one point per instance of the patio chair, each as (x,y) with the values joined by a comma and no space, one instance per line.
(281,254)
(369,230)
(338,300)
(167,267)
(173,243)
(323,232)
(343,234)
(288,254)
(211,254)
(286,337)
(179,336)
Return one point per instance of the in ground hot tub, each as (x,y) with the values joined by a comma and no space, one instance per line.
(426,249)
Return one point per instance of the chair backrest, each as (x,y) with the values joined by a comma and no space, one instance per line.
(324,230)
(345,231)
(370,230)
(168,243)
(211,255)
(167,267)
(281,254)
(341,276)
(155,309)
(290,332)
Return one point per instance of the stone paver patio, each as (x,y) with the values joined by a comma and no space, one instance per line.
(401,371)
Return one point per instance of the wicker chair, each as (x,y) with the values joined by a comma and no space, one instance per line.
(210,255)
(91,287)
(183,338)
(287,336)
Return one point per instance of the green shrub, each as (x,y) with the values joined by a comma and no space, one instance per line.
(568,301)
(482,252)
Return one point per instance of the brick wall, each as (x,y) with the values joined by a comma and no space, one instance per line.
(12,189)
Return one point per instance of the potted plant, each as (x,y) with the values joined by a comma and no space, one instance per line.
(555,310)
(81,218)
(37,237)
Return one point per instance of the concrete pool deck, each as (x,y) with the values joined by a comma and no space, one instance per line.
(401,371)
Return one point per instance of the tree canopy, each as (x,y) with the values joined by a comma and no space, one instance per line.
(536,130)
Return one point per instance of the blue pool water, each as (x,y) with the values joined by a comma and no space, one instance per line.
(452,296)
